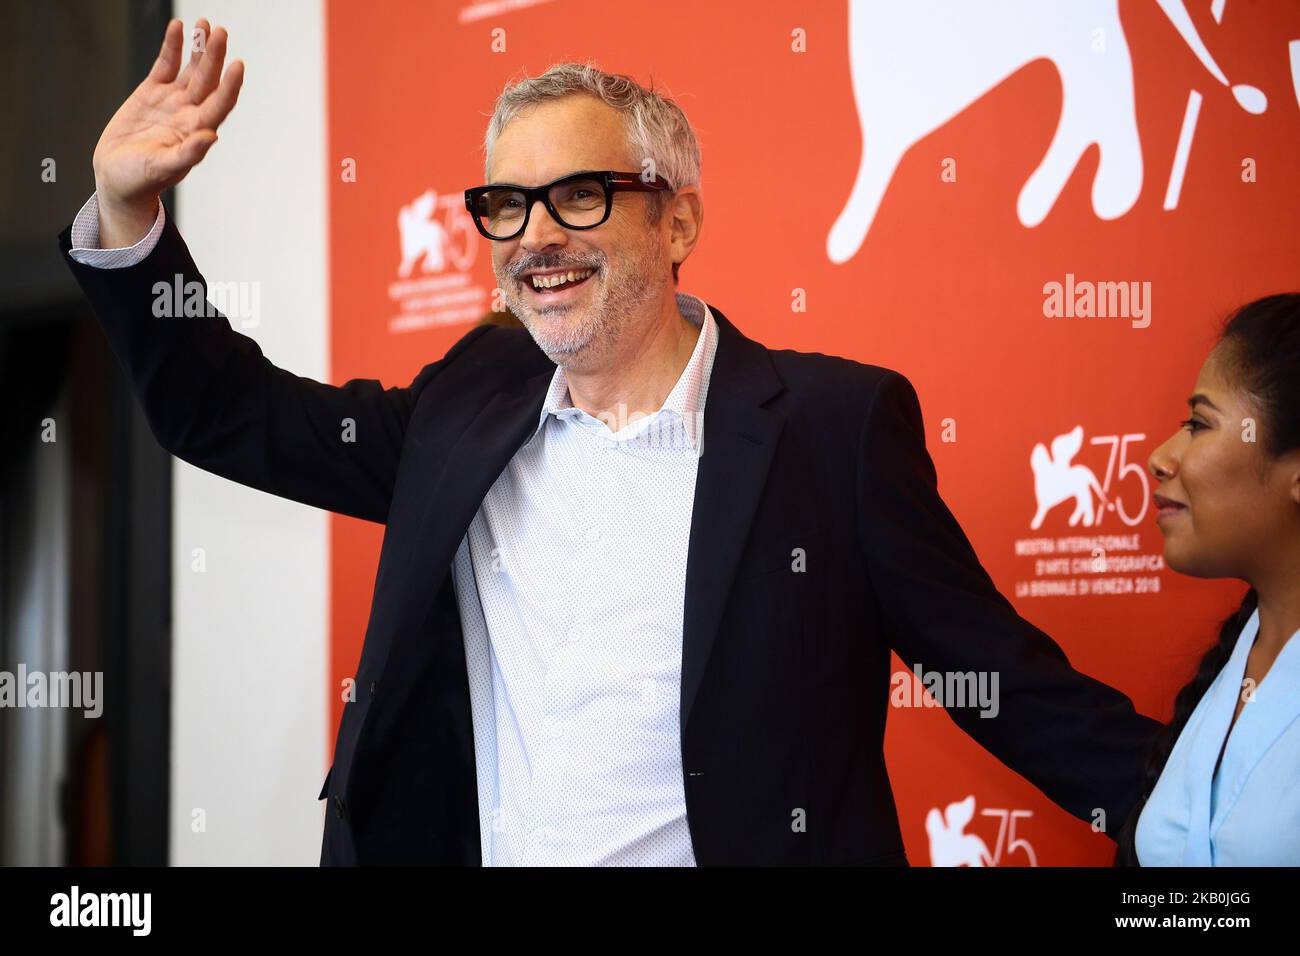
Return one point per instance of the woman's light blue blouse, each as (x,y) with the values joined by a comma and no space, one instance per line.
(1248,813)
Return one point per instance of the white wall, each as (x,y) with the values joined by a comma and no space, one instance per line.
(249,707)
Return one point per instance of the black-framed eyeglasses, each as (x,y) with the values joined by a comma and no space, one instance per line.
(577,201)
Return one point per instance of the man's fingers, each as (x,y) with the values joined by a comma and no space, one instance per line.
(208,70)
(165,168)
(193,149)
(196,42)
(168,63)
(214,110)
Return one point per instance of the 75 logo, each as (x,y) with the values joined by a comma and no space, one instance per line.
(950,845)
(1058,480)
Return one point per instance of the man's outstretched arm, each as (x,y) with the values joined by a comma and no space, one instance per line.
(210,395)
(214,400)
(1078,740)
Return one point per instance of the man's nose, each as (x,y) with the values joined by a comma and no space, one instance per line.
(542,230)
(1163,462)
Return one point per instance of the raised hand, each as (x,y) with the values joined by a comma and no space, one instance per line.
(165,127)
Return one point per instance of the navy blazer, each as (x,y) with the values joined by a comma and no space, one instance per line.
(785,674)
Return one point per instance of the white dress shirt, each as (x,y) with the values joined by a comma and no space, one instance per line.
(571,586)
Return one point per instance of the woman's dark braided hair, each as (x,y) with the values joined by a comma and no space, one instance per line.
(1264,356)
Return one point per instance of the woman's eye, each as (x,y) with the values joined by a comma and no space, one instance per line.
(1193,424)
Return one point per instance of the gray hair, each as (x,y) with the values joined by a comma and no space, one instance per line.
(657,129)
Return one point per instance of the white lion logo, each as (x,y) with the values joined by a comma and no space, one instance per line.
(1056,480)
(423,237)
(918,64)
(949,845)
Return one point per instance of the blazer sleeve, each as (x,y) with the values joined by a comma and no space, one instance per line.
(1081,742)
(214,400)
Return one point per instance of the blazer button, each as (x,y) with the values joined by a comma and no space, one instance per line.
(338,806)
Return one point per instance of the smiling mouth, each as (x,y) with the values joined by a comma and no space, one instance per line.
(1166,507)
(548,285)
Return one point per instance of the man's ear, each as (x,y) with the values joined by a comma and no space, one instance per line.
(686,212)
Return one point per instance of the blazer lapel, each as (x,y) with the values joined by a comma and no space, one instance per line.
(1208,741)
(472,464)
(740,437)
(1274,706)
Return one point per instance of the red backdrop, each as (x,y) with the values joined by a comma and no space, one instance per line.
(952,115)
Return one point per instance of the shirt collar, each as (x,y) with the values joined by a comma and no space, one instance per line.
(686,400)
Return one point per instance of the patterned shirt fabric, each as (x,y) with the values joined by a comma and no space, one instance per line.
(85,239)
(571,583)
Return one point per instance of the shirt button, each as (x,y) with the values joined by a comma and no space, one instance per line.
(552,729)
(591,533)
(573,636)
